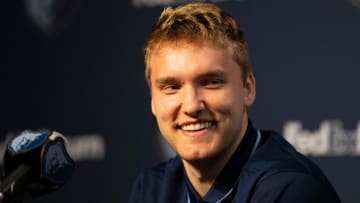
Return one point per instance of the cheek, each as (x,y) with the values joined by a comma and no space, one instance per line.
(164,107)
(224,101)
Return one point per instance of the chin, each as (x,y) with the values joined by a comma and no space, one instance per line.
(196,156)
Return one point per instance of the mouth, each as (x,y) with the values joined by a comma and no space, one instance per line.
(196,126)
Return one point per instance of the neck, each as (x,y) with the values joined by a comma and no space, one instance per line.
(202,173)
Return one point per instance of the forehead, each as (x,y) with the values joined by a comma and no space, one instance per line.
(187,43)
(180,48)
(187,59)
(182,52)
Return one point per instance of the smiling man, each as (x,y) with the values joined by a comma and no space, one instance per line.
(201,84)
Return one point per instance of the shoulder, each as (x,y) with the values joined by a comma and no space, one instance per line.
(293,187)
(159,172)
(279,173)
(276,154)
(151,182)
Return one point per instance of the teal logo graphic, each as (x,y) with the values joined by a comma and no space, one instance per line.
(27,141)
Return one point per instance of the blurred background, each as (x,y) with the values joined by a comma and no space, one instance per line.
(76,66)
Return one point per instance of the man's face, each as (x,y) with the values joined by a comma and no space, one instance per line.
(199,99)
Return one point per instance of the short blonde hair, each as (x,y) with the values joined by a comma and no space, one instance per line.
(198,23)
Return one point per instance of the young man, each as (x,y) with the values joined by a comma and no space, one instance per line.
(201,84)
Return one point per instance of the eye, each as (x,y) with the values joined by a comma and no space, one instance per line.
(213,83)
(170,88)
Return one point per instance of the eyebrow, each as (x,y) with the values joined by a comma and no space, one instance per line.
(212,74)
(173,80)
(165,80)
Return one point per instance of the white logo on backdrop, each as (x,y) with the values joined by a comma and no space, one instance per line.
(355,3)
(151,3)
(331,139)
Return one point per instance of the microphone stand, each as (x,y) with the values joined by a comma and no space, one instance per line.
(12,188)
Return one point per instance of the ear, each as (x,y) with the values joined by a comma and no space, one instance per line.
(249,90)
(153,110)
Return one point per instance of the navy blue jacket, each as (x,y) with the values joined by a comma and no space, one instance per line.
(275,172)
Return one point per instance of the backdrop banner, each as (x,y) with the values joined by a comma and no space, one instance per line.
(76,67)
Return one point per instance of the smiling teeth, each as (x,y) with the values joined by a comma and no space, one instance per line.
(196,126)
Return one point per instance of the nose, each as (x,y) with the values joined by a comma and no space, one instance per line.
(192,102)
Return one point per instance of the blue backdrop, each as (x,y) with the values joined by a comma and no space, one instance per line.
(80,72)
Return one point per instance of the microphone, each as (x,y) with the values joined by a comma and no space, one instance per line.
(36,162)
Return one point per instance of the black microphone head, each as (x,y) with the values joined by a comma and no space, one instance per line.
(44,153)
